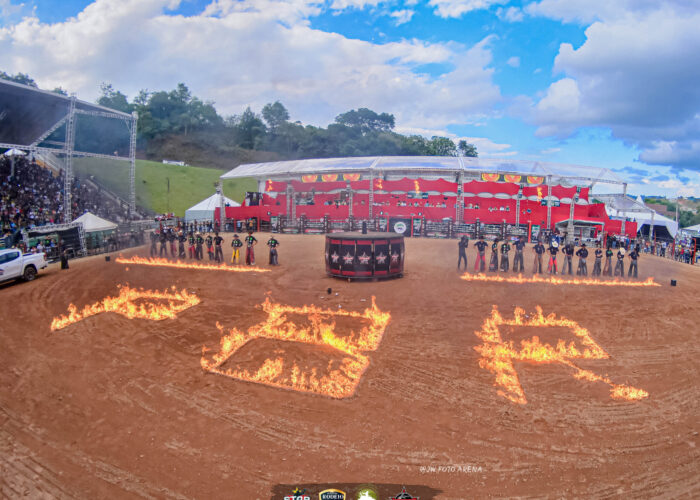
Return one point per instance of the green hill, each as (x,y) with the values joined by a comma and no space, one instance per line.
(188,185)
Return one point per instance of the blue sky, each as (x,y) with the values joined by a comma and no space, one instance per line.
(591,82)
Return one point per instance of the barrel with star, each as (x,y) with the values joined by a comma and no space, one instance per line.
(373,255)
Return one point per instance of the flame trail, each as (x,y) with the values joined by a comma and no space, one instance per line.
(337,383)
(497,355)
(124,304)
(159,262)
(552,280)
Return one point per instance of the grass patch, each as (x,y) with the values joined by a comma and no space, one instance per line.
(188,185)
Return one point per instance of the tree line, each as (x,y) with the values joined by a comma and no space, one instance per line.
(162,114)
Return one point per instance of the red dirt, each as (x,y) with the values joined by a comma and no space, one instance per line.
(118,408)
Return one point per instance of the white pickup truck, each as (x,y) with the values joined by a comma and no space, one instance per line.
(15,265)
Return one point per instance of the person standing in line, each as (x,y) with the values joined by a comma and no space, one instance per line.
(181,245)
(608,269)
(582,254)
(553,251)
(154,243)
(191,247)
(463,244)
(518,265)
(199,241)
(480,254)
(539,251)
(210,246)
(171,238)
(505,248)
(236,245)
(634,256)
(493,265)
(568,252)
(250,242)
(598,259)
(163,239)
(219,253)
(620,264)
(273,244)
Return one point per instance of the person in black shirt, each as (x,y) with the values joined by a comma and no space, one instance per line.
(171,238)
(181,245)
(219,253)
(620,264)
(582,253)
(463,244)
(236,245)
(634,255)
(505,248)
(250,242)
(480,254)
(154,242)
(191,247)
(553,251)
(518,266)
(493,265)
(209,241)
(598,259)
(539,251)
(198,241)
(273,244)
(163,238)
(608,269)
(568,252)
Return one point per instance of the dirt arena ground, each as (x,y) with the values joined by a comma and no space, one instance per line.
(116,408)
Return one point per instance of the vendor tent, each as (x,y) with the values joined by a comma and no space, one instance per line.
(638,211)
(92,223)
(204,210)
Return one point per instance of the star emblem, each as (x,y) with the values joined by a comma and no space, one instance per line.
(364,258)
(335,257)
(347,258)
(381,258)
(394,257)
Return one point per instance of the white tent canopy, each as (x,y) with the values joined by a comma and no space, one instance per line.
(92,223)
(204,210)
(638,211)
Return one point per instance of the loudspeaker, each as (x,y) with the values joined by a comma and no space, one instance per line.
(107,258)
(673,282)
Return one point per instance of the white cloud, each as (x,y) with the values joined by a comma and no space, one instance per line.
(550,151)
(511,14)
(354,4)
(457,8)
(513,62)
(251,52)
(589,11)
(637,75)
(402,16)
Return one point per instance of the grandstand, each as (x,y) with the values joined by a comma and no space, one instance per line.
(430,196)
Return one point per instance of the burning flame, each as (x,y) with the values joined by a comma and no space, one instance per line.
(124,304)
(497,355)
(143,261)
(552,280)
(539,193)
(336,383)
(416,186)
(379,184)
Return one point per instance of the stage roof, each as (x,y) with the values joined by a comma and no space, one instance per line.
(27,112)
(426,167)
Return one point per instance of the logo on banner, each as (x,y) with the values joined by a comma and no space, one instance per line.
(351,177)
(404,495)
(297,494)
(364,258)
(329,177)
(331,494)
(381,258)
(309,178)
(400,227)
(367,494)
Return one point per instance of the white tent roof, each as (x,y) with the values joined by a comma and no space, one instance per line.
(93,223)
(204,210)
(696,227)
(213,202)
(623,206)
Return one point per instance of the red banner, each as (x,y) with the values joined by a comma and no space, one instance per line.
(533,179)
(329,177)
(309,178)
(513,178)
(351,177)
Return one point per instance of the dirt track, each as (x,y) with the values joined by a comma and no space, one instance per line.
(118,408)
